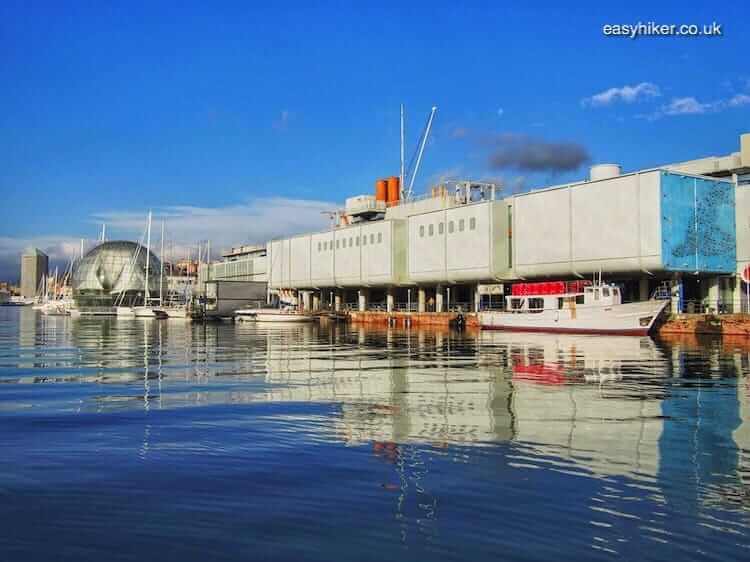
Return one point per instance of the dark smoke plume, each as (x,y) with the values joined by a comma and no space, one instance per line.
(528,154)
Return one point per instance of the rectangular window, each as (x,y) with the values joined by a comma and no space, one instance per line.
(461,224)
(605,292)
(579,299)
(472,223)
(319,246)
(351,241)
(380,237)
(372,238)
(364,240)
(357,240)
(343,243)
(441,227)
(421,231)
(337,244)
(536,304)
(450,227)
(325,246)
(431,230)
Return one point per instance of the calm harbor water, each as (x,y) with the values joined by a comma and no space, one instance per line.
(163,440)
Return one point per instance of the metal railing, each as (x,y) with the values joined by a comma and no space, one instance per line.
(705,306)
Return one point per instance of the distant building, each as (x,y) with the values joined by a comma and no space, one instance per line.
(34,265)
(187,268)
(241,263)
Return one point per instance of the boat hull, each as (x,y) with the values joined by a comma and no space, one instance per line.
(273,316)
(288,318)
(143,312)
(630,319)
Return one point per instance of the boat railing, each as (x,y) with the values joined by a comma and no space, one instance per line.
(662,293)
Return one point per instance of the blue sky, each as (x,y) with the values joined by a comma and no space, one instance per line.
(242,121)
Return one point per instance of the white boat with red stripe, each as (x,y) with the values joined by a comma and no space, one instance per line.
(579,307)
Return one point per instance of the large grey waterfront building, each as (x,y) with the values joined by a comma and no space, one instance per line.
(34,265)
(683,225)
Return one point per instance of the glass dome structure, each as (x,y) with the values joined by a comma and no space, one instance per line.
(115,269)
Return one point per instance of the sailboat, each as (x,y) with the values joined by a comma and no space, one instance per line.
(172,309)
(147,310)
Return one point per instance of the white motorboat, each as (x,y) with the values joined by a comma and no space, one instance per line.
(7,300)
(572,307)
(273,315)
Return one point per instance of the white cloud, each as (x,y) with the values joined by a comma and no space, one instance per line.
(739,100)
(254,221)
(625,94)
(691,106)
(686,106)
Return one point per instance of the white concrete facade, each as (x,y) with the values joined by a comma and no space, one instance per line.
(612,224)
(466,243)
(371,253)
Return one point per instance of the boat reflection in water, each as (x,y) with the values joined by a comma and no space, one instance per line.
(571,396)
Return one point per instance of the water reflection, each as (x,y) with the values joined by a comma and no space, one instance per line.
(626,439)
(603,402)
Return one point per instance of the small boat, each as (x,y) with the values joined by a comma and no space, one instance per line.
(149,312)
(572,307)
(6,300)
(273,315)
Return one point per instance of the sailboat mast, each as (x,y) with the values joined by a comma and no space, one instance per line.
(161,270)
(148,255)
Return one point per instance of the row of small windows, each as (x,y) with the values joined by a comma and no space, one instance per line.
(451,227)
(352,241)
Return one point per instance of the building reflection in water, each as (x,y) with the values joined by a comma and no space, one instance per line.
(601,406)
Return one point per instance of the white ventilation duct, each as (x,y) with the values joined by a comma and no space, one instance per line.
(604,171)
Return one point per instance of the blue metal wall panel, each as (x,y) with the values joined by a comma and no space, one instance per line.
(697,222)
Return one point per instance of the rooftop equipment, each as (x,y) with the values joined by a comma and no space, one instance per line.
(604,171)
(381,190)
(394,191)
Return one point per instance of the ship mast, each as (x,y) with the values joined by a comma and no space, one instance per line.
(148,255)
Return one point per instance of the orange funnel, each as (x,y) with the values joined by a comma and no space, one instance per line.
(381,190)
(394,192)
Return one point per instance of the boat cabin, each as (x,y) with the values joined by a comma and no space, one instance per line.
(561,295)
